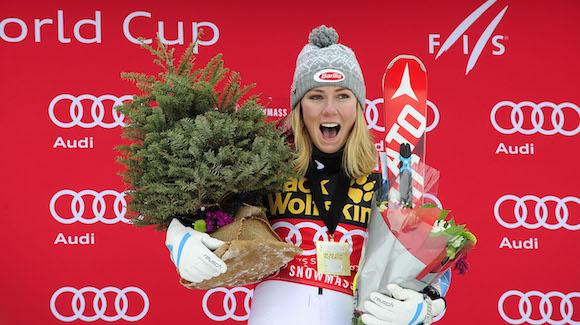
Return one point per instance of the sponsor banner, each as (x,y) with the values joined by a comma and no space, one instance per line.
(107,206)
(533,212)
(536,307)
(87,111)
(90,304)
(502,127)
(530,118)
(90,30)
(220,304)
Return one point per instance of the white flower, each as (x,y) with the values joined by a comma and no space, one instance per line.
(440,226)
(457,241)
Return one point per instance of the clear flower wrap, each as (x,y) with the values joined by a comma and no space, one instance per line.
(411,247)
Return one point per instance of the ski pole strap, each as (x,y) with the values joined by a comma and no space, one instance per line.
(338,198)
(405,164)
(405,175)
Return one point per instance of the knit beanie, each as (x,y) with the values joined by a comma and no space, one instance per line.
(325,62)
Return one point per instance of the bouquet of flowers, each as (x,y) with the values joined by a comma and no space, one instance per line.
(201,154)
(411,247)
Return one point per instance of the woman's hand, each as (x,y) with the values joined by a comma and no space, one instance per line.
(406,307)
(191,252)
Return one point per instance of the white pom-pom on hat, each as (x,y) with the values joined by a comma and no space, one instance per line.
(323,36)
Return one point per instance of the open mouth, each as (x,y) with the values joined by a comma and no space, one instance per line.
(329,130)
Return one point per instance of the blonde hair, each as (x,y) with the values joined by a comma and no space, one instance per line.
(360,155)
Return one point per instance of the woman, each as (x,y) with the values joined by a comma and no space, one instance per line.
(325,211)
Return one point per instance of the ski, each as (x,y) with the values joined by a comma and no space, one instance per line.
(405,107)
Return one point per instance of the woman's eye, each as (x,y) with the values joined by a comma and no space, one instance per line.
(343,96)
(315,97)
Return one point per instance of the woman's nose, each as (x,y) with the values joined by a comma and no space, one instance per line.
(329,107)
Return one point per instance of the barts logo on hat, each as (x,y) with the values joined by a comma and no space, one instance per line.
(329,75)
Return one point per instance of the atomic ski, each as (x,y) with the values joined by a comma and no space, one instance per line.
(405,107)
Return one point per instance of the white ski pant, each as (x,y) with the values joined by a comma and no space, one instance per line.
(281,303)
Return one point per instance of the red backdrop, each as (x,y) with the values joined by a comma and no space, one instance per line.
(504,124)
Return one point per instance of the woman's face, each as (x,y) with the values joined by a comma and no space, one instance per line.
(329,114)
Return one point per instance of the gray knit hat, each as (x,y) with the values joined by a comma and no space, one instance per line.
(325,62)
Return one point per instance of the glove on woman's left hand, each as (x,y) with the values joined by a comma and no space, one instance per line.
(406,307)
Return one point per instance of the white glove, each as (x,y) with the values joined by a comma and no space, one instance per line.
(191,252)
(407,307)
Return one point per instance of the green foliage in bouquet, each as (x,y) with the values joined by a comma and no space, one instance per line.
(458,236)
(195,144)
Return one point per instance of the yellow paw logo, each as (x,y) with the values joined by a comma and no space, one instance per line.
(361,189)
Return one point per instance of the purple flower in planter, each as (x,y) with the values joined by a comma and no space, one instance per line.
(217,219)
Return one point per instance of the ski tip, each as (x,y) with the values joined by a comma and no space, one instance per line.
(406,56)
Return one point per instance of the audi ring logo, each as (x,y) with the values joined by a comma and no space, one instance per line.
(435,110)
(541,212)
(98,207)
(229,303)
(100,303)
(566,307)
(557,116)
(76,111)
(321,234)
(372,115)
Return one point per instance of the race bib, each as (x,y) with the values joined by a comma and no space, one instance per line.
(332,258)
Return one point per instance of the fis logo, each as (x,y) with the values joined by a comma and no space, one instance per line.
(497,41)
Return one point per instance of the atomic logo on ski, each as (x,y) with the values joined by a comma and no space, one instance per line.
(405,86)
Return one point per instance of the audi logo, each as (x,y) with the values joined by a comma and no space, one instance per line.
(525,308)
(520,212)
(229,303)
(321,234)
(435,110)
(537,117)
(98,207)
(372,115)
(97,111)
(78,304)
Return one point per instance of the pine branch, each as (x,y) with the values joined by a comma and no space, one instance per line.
(185,154)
